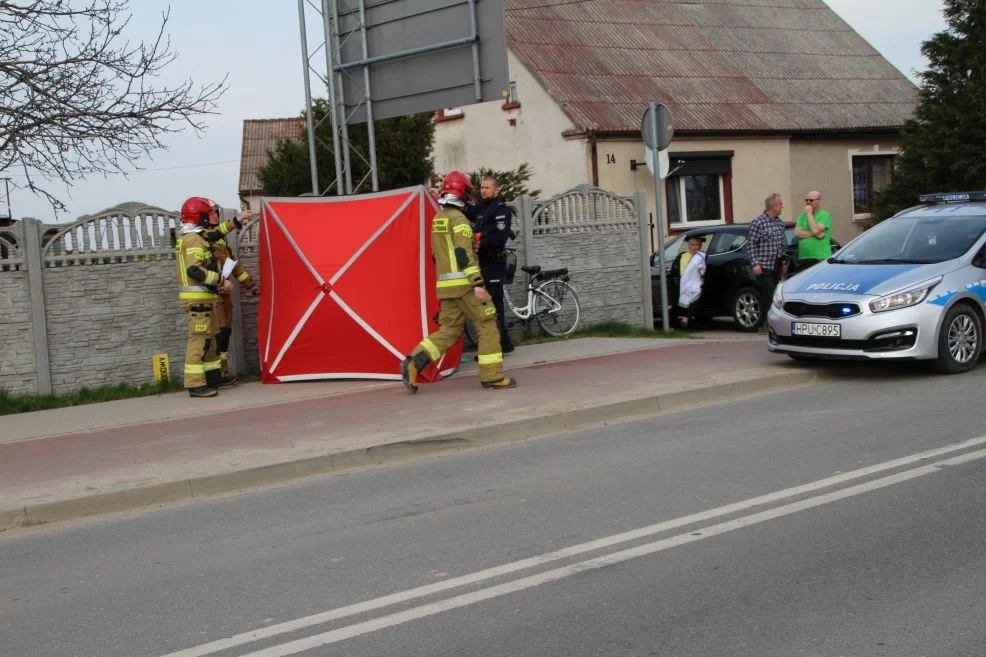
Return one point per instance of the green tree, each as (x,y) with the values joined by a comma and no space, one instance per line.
(404,146)
(943,143)
(513,182)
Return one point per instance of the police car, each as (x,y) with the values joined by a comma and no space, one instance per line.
(911,287)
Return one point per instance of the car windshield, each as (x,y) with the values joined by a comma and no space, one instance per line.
(918,239)
(670,250)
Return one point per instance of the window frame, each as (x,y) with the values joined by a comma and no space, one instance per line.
(892,153)
(688,225)
(449,114)
(511,100)
(723,236)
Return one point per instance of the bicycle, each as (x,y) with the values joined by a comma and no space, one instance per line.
(551,301)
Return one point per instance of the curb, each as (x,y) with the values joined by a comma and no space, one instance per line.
(370,385)
(494,433)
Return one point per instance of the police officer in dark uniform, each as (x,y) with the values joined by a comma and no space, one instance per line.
(492,222)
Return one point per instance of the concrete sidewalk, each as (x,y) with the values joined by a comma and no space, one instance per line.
(117,456)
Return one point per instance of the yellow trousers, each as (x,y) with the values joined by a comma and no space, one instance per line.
(201,356)
(224,328)
(451,317)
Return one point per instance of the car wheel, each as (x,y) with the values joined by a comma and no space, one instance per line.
(747,308)
(960,341)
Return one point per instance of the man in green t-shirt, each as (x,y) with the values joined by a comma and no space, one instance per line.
(814,232)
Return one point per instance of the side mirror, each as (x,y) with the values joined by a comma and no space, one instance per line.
(980,259)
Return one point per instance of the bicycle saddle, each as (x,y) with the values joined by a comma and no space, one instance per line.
(531,270)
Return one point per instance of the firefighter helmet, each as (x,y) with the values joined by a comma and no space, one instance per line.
(196,210)
(456,188)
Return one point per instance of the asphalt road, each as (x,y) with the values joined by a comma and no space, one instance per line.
(845,519)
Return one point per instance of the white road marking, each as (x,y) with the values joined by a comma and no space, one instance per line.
(598,562)
(422,611)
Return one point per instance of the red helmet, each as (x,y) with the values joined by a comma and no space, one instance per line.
(196,210)
(456,184)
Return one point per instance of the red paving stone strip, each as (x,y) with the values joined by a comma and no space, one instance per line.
(104,470)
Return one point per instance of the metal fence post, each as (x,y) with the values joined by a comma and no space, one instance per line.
(526,207)
(35,285)
(237,354)
(643,222)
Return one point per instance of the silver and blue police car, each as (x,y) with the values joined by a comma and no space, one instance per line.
(911,287)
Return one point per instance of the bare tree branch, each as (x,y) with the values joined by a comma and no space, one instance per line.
(77,98)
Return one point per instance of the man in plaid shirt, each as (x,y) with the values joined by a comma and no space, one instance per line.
(766,248)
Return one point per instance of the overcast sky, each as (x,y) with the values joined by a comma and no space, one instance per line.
(257,43)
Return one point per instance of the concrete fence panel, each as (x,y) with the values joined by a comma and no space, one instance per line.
(91,303)
(17,366)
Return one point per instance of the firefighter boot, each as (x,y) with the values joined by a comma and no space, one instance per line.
(215,379)
(202,391)
(502,384)
(411,367)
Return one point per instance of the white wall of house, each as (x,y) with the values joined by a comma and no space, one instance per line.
(484,137)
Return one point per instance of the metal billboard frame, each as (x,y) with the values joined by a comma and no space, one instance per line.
(389,58)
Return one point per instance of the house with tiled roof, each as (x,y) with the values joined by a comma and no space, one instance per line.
(259,137)
(767,96)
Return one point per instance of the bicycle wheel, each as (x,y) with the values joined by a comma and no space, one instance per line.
(508,304)
(556,308)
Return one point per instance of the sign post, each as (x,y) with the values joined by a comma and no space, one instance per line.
(657,130)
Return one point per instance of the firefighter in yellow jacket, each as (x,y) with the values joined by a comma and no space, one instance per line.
(199,281)
(216,235)
(460,293)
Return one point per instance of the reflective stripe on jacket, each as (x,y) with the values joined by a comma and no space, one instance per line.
(193,252)
(451,247)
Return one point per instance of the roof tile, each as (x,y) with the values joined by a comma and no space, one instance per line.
(260,136)
(789,65)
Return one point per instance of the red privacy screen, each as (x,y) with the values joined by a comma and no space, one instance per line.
(348,286)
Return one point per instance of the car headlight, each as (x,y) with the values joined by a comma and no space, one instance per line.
(779,296)
(905,298)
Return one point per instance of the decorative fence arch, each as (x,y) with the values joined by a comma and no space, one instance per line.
(11,253)
(128,232)
(584,209)
(91,302)
(602,238)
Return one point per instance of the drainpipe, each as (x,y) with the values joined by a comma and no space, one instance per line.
(594,157)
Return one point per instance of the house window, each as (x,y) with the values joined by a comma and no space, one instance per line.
(698,189)
(870,174)
(510,98)
(450,114)
(695,200)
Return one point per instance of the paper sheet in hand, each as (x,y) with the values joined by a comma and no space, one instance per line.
(228,267)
